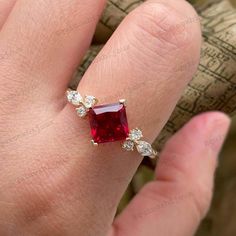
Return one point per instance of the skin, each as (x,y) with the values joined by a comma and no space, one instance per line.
(53,182)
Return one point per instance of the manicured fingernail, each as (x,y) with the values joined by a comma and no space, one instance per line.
(218,124)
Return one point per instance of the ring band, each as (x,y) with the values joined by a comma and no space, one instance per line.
(109,123)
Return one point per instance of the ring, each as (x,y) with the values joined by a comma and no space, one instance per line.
(109,123)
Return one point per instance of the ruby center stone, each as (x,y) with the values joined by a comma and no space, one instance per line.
(108,123)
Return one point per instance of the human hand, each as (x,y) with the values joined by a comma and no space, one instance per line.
(53,182)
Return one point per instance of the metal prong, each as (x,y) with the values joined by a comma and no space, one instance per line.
(123,101)
(96,101)
(94,143)
(154,155)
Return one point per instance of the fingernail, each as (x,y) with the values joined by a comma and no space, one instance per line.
(218,124)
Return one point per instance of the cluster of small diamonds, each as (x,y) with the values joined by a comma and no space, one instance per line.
(84,105)
(144,148)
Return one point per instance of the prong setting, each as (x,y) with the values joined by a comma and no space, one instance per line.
(123,101)
(94,143)
(82,111)
(90,101)
(82,104)
(109,119)
(134,140)
(74,97)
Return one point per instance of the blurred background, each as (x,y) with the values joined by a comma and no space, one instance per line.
(221,220)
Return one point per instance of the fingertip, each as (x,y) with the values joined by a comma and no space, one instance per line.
(190,156)
(212,129)
(205,131)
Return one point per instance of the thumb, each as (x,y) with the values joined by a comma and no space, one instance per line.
(180,196)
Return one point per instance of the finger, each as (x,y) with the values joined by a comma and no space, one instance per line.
(5,9)
(140,63)
(43,43)
(175,203)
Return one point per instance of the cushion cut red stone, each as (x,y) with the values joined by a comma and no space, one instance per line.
(108,123)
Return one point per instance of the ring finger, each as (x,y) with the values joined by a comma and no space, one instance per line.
(147,61)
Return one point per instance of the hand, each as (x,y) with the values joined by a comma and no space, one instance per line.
(53,182)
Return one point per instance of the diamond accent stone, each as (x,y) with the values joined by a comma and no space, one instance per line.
(144,148)
(74,97)
(128,145)
(90,101)
(135,134)
(81,111)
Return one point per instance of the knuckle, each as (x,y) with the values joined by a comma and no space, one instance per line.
(165,26)
(71,18)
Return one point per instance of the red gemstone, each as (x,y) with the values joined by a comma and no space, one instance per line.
(108,123)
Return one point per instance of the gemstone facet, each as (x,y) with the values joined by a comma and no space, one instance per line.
(135,134)
(144,148)
(90,101)
(74,97)
(81,111)
(108,123)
